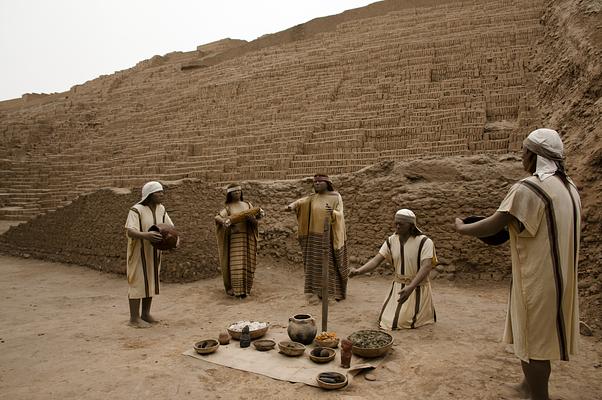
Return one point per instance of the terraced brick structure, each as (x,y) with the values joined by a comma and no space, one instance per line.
(392,81)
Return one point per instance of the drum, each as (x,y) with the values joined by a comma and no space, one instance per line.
(170,236)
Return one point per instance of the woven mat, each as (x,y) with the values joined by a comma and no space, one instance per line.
(278,366)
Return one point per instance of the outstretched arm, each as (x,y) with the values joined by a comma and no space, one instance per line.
(486,227)
(369,266)
(293,206)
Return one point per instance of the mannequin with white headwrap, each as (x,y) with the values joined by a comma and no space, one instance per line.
(543,216)
(409,302)
(144,260)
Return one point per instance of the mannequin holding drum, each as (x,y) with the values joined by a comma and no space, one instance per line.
(149,229)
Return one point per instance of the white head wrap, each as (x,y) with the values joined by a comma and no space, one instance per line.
(406,215)
(548,147)
(233,189)
(150,188)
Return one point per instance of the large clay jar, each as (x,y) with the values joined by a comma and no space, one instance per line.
(302,328)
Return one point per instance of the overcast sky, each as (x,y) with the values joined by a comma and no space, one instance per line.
(48,46)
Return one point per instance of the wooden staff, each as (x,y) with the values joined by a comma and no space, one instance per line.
(325,252)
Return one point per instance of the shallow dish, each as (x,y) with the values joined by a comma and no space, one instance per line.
(331,380)
(293,349)
(313,355)
(206,346)
(264,344)
(361,350)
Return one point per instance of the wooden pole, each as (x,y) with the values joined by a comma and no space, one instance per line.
(325,252)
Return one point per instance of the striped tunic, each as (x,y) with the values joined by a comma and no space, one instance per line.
(543,312)
(311,216)
(143,260)
(418,309)
(238,253)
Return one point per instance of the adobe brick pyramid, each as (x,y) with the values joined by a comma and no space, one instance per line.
(396,80)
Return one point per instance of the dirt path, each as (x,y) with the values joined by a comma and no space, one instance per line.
(64,336)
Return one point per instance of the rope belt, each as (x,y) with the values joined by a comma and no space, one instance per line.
(407,279)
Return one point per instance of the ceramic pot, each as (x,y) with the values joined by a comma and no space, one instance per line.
(223,338)
(302,328)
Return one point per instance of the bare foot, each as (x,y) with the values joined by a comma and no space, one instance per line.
(149,319)
(139,323)
(521,390)
(314,300)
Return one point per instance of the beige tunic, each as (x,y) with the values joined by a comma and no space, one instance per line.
(143,260)
(543,310)
(418,309)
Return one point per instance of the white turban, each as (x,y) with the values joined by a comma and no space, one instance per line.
(150,188)
(548,147)
(233,189)
(406,215)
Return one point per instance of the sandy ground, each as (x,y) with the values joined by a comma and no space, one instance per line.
(64,336)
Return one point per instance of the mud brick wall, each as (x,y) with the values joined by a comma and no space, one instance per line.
(90,230)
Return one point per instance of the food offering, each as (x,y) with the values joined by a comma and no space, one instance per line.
(322,355)
(327,339)
(206,346)
(370,343)
(292,349)
(256,329)
(331,380)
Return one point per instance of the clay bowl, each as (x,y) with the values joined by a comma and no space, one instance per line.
(331,380)
(256,334)
(206,346)
(264,344)
(331,343)
(292,349)
(371,352)
(316,357)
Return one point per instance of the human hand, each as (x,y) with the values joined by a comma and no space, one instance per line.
(153,237)
(404,294)
(227,223)
(353,272)
(288,208)
(459,225)
(261,213)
